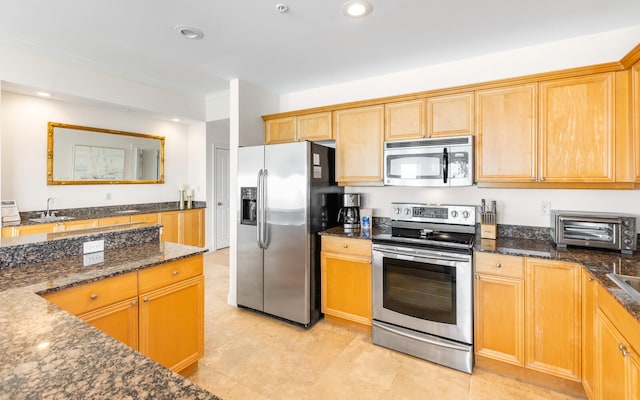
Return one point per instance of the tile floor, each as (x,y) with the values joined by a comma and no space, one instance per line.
(251,356)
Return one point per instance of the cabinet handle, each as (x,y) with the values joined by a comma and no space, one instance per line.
(175,273)
(134,303)
(94,296)
(145,299)
(533,179)
(477,277)
(498,265)
(542,178)
(344,246)
(590,279)
(623,350)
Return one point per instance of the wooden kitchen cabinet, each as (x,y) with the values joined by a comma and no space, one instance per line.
(184,227)
(450,115)
(553,318)
(635,107)
(24,230)
(80,224)
(576,129)
(312,127)
(172,313)
(617,340)
(499,307)
(120,219)
(150,219)
(346,281)
(506,134)
(119,320)
(110,305)
(589,304)
(359,136)
(405,120)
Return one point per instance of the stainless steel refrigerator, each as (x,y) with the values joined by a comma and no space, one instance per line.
(288,193)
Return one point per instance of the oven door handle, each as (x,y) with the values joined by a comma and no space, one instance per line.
(436,342)
(414,254)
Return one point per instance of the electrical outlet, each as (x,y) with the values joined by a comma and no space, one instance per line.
(545,207)
(93,246)
(94,258)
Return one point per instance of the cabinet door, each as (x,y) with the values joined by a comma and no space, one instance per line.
(499,318)
(450,115)
(635,99)
(314,127)
(172,324)
(404,120)
(346,287)
(170,222)
(193,227)
(589,304)
(38,228)
(610,363)
(280,130)
(359,136)
(506,134)
(576,138)
(119,320)
(553,318)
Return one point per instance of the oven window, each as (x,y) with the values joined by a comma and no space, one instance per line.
(415,166)
(421,290)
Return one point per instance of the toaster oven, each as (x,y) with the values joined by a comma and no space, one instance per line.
(594,229)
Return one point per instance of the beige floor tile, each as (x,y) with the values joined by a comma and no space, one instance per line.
(249,355)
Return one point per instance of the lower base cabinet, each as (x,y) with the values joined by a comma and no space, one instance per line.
(617,363)
(346,281)
(158,311)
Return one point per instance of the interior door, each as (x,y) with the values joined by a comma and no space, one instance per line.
(222,197)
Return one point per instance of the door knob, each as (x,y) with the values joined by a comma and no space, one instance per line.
(219,203)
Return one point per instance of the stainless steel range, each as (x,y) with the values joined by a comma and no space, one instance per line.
(422,283)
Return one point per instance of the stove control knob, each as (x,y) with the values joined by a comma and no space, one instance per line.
(627,241)
(396,211)
(627,232)
(465,214)
(407,211)
(454,213)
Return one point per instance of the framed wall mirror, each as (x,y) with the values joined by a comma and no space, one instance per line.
(82,155)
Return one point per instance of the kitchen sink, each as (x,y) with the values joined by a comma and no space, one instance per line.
(52,218)
(630,284)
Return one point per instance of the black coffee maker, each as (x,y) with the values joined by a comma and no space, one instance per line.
(349,214)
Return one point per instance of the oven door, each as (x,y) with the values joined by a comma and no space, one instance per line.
(423,290)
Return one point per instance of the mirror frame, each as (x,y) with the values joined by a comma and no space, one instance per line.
(50,154)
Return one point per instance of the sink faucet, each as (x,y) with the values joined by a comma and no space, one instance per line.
(48,214)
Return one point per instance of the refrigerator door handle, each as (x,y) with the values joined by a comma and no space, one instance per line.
(259,211)
(265,231)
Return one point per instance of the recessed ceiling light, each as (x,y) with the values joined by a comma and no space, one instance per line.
(356,8)
(189,32)
(175,119)
(44,94)
(282,8)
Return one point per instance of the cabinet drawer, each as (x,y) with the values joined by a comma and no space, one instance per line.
(499,265)
(355,247)
(146,218)
(166,274)
(122,219)
(91,296)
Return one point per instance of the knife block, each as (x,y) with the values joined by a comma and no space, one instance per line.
(488,231)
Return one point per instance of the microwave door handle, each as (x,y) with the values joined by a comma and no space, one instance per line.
(445,165)
(597,220)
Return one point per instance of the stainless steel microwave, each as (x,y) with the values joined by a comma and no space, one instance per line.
(594,229)
(444,161)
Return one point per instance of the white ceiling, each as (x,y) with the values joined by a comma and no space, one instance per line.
(312,45)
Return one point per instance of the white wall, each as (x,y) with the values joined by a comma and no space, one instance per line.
(519,207)
(24,153)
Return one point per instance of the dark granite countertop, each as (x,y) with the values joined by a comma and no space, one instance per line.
(355,234)
(46,352)
(104,212)
(599,263)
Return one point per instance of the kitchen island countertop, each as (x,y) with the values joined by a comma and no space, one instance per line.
(45,352)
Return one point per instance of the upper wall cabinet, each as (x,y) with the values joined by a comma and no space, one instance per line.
(359,136)
(450,115)
(635,96)
(576,134)
(506,121)
(405,120)
(312,127)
